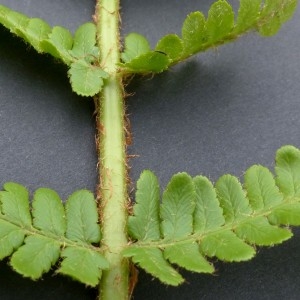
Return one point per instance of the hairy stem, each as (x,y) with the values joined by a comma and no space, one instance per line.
(112,156)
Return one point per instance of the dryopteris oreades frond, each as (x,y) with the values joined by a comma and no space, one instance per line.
(79,53)
(197,220)
(200,33)
(36,239)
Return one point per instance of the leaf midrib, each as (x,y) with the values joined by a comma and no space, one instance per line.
(197,237)
(65,242)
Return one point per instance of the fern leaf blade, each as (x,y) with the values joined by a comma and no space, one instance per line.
(35,32)
(83,265)
(12,20)
(86,80)
(178,203)
(232,199)
(35,257)
(199,220)
(11,237)
(262,191)
(144,225)
(248,14)
(15,204)
(82,218)
(220,21)
(56,41)
(259,232)
(32,30)
(288,171)
(58,44)
(193,32)
(266,17)
(188,256)
(287,10)
(135,45)
(208,214)
(52,229)
(153,262)
(150,62)
(3,11)
(48,212)
(287,214)
(274,14)
(226,246)
(171,45)
(84,43)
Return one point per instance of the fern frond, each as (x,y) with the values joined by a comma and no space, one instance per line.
(200,33)
(37,238)
(197,220)
(79,53)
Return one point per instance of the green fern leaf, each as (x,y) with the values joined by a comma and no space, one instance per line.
(171,45)
(153,261)
(36,256)
(32,30)
(84,46)
(58,44)
(12,20)
(11,238)
(3,12)
(81,54)
(86,80)
(83,265)
(144,225)
(200,34)
(188,256)
(287,10)
(48,212)
(287,170)
(178,203)
(248,14)
(262,191)
(194,32)
(226,246)
(135,45)
(259,232)
(287,214)
(15,204)
(274,14)
(288,181)
(82,218)
(208,214)
(199,220)
(36,246)
(56,41)
(220,21)
(232,198)
(35,32)
(150,62)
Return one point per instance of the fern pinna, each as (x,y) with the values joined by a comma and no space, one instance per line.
(39,236)
(197,220)
(199,33)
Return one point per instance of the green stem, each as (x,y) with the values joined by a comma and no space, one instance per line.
(112,157)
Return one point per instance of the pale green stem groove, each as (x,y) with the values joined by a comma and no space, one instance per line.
(112,157)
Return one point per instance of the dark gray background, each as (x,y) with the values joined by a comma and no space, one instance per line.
(217,113)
